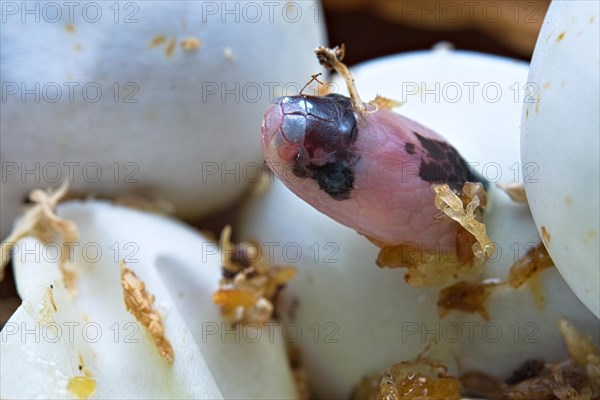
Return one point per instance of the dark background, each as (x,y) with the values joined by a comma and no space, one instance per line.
(378,42)
(376,28)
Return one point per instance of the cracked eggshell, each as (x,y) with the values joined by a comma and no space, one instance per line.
(122,107)
(357,319)
(560,148)
(181,269)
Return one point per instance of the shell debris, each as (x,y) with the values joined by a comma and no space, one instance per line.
(191,43)
(41,221)
(250,286)
(140,304)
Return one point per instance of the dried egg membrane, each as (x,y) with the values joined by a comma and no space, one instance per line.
(331,59)
(466,297)
(385,103)
(516,191)
(248,293)
(466,214)
(139,303)
(576,378)
(545,381)
(583,352)
(572,379)
(473,246)
(41,222)
(471,297)
(535,259)
(249,288)
(190,43)
(418,379)
(425,268)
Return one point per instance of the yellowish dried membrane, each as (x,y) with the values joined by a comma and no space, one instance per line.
(471,297)
(420,379)
(249,288)
(535,379)
(325,88)
(425,268)
(248,293)
(473,247)
(385,103)
(41,221)
(454,207)
(332,60)
(322,88)
(535,259)
(583,352)
(546,238)
(515,190)
(140,304)
(466,297)
(576,378)
(190,43)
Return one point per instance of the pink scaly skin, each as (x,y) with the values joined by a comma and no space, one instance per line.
(390,164)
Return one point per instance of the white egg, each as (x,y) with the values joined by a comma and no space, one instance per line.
(560,148)
(356,319)
(181,268)
(107,95)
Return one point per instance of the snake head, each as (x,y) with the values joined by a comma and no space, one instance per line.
(308,130)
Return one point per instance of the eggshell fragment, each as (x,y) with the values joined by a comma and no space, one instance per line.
(160,99)
(178,266)
(357,320)
(560,145)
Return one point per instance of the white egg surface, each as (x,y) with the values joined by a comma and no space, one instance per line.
(560,145)
(159,98)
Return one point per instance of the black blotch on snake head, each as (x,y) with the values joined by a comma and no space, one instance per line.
(336,179)
(443,164)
